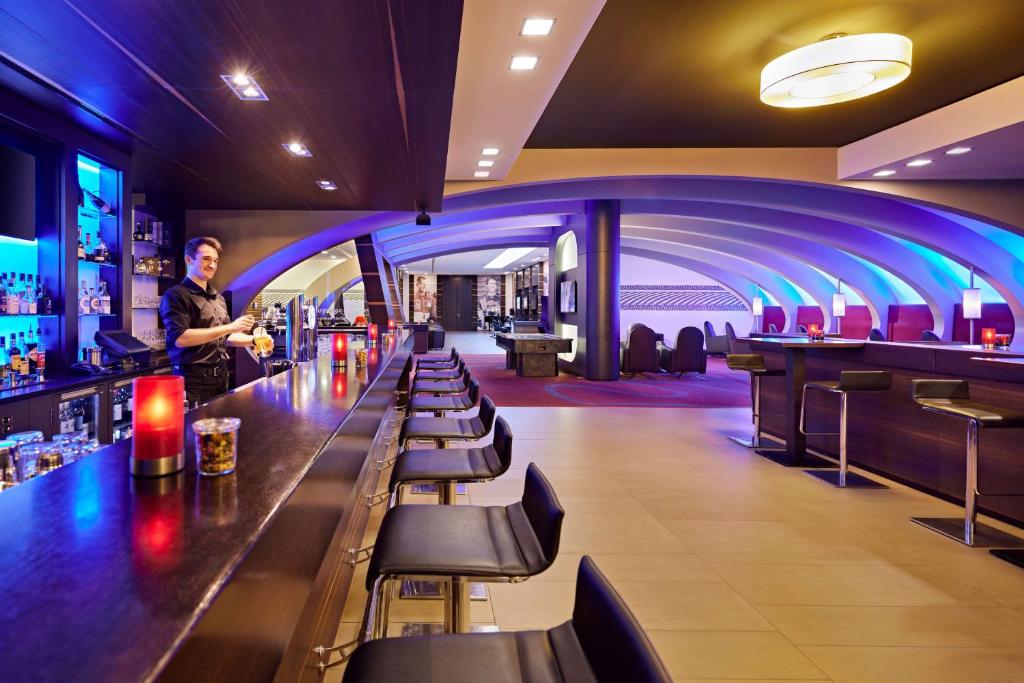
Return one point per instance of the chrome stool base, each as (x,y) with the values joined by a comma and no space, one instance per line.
(1015,557)
(460,489)
(985,536)
(433,590)
(780,456)
(427,629)
(853,480)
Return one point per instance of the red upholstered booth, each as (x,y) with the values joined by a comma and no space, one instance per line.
(998,316)
(809,315)
(773,315)
(857,322)
(908,321)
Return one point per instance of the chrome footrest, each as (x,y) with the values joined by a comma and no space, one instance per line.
(358,555)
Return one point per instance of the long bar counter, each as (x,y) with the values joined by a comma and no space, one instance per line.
(110,578)
(892,435)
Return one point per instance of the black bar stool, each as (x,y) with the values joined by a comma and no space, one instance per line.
(602,642)
(460,543)
(450,386)
(427,374)
(443,429)
(850,381)
(952,397)
(754,364)
(449,361)
(447,467)
(439,405)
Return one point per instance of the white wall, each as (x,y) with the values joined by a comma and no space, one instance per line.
(635,270)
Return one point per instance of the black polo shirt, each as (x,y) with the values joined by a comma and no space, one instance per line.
(186,305)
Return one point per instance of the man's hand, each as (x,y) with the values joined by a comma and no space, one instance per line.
(243,324)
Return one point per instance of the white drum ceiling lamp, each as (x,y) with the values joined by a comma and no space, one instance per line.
(836,69)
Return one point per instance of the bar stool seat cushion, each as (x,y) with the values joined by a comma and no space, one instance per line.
(435,375)
(514,657)
(856,380)
(988,416)
(449,464)
(752,363)
(418,427)
(424,403)
(442,387)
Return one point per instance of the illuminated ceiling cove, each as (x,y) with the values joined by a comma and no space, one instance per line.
(793,239)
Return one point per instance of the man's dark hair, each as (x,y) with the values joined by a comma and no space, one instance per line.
(192,246)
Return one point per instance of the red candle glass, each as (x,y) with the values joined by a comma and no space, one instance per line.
(391,325)
(988,336)
(372,334)
(339,350)
(158,425)
(814,332)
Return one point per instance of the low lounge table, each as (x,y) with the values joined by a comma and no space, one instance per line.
(533,355)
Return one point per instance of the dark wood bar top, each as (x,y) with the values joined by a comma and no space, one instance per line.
(104,576)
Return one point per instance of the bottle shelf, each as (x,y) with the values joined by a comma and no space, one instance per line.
(8,316)
(158,245)
(91,213)
(155,277)
(103,264)
(145,308)
(97,315)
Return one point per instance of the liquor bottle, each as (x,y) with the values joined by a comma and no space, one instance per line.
(148,236)
(30,293)
(81,245)
(22,299)
(40,351)
(89,254)
(104,298)
(99,254)
(94,301)
(15,371)
(83,299)
(96,203)
(30,352)
(13,298)
(24,369)
(137,232)
(5,362)
(45,301)
(3,294)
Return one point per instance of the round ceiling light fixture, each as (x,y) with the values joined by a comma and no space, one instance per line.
(836,69)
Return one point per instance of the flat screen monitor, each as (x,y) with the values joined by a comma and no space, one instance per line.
(17,193)
(567,300)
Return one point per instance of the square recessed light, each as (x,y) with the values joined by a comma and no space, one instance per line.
(297,149)
(537,27)
(481,174)
(958,150)
(884,173)
(326,185)
(485,163)
(919,162)
(244,86)
(523,63)
(490,151)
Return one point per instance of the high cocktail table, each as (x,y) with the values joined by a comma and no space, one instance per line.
(533,355)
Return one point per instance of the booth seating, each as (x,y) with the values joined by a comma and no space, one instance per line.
(601,643)
(426,403)
(688,355)
(451,386)
(876,335)
(442,429)
(850,381)
(440,374)
(753,363)
(952,398)
(730,337)
(930,336)
(462,542)
(802,329)
(448,467)
(639,353)
(716,344)
(772,328)
(449,361)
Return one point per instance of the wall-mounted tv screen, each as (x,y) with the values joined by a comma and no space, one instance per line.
(567,300)
(17,193)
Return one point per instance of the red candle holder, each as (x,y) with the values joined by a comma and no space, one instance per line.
(339,350)
(815,333)
(988,337)
(158,425)
(391,325)
(372,334)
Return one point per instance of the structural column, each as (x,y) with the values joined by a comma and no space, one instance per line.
(601,259)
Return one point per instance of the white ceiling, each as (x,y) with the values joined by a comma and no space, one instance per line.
(493,105)
(472,262)
(302,274)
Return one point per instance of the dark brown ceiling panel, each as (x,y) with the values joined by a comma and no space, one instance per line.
(686,73)
(329,69)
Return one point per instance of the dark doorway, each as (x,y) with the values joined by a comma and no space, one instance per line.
(457,312)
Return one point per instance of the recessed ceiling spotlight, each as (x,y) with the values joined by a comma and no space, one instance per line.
(481,174)
(959,150)
(485,163)
(883,174)
(245,87)
(836,69)
(490,151)
(919,162)
(537,27)
(523,63)
(297,149)
(326,185)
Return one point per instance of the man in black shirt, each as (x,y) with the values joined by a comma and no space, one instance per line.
(198,326)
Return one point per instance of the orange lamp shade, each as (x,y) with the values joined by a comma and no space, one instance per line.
(988,336)
(339,349)
(158,425)
(391,325)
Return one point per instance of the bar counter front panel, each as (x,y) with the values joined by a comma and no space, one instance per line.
(110,578)
(890,434)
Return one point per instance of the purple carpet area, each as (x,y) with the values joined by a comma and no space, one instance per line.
(720,388)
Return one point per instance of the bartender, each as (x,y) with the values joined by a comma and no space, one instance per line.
(199,329)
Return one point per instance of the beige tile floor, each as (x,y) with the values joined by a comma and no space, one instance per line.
(740,569)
